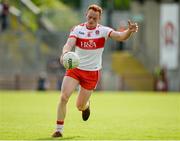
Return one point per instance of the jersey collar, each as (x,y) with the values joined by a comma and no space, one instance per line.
(90,28)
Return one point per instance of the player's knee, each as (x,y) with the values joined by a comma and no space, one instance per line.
(64,98)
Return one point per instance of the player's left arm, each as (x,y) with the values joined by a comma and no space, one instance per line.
(121,36)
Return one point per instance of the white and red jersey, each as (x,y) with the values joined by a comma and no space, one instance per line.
(90,45)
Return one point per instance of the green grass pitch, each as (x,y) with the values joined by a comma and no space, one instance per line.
(31,115)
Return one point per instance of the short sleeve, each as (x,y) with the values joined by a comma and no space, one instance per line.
(107,31)
(73,32)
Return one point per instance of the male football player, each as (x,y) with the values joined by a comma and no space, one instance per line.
(88,39)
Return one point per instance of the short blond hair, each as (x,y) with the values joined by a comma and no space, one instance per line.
(95,8)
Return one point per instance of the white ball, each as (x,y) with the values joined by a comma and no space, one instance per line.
(70,60)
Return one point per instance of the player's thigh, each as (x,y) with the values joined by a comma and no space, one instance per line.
(69,84)
(83,96)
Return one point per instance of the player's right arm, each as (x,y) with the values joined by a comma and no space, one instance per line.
(71,42)
(69,45)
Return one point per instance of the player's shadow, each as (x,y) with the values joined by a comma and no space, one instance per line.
(63,138)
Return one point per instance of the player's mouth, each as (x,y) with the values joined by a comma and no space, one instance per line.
(90,23)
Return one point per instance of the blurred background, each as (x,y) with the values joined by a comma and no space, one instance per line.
(33,33)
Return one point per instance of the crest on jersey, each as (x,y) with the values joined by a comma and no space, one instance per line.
(89,34)
(97,32)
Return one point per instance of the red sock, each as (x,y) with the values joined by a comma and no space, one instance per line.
(59,125)
(60,122)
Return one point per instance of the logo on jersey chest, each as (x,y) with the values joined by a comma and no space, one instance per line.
(88,44)
(95,43)
(82,33)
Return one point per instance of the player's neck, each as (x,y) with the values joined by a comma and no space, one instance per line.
(90,27)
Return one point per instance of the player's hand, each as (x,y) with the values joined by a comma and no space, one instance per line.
(133,27)
(61,58)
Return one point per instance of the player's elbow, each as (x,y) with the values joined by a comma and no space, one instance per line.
(124,39)
(121,39)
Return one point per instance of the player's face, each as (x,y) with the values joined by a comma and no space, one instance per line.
(93,18)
